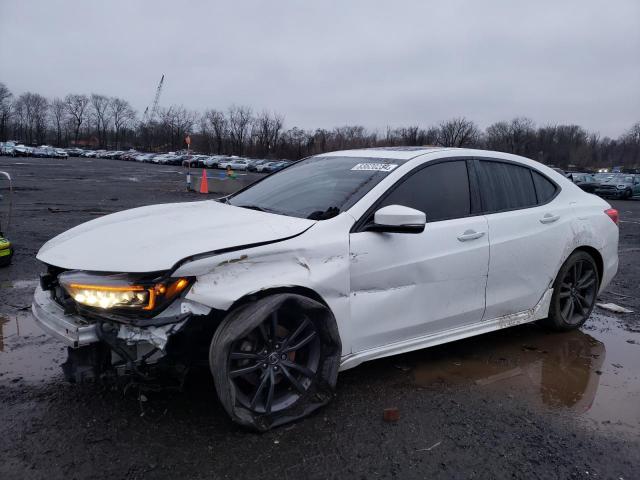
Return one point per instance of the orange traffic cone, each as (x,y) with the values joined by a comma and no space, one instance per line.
(204,185)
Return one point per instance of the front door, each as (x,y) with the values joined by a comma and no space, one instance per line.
(407,285)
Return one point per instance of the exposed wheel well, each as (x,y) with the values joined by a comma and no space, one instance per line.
(252,297)
(194,338)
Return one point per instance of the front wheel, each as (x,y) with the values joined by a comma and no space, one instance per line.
(574,292)
(275,360)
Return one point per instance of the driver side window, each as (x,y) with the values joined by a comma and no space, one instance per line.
(441,191)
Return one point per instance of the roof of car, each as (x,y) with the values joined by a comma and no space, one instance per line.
(400,153)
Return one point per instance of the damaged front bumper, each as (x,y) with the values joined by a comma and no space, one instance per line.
(72,330)
(104,345)
(76,331)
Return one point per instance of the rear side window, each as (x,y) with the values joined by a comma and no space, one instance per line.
(545,190)
(441,191)
(505,186)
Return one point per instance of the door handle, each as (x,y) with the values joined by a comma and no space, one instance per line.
(470,235)
(549,218)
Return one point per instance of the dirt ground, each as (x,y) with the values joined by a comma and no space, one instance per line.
(519,403)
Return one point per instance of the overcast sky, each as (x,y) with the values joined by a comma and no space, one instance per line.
(330,63)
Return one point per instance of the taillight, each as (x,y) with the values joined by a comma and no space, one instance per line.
(612,213)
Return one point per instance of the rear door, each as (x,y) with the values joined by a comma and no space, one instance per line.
(407,285)
(529,229)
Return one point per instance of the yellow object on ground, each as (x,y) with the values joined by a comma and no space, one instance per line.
(6,252)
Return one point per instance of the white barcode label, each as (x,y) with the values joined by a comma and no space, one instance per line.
(375,167)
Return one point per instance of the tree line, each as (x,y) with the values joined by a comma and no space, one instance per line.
(100,121)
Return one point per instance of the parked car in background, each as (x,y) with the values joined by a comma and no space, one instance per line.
(168,159)
(129,155)
(8,148)
(22,151)
(224,162)
(273,166)
(145,157)
(214,161)
(60,153)
(619,186)
(75,152)
(585,181)
(239,164)
(195,160)
(42,152)
(253,166)
(265,167)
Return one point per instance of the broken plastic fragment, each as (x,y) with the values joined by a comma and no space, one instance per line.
(612,307)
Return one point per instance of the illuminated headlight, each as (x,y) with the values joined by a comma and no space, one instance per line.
(111,292)
(621,187)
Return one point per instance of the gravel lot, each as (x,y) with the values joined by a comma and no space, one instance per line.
(519,403)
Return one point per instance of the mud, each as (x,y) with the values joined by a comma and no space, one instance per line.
(519,403)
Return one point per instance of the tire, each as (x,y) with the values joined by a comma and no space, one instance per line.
(574,293)
(275,360)
(627,194)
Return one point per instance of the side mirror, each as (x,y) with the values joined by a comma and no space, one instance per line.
(398,219)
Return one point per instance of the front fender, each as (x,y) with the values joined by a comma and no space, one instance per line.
(317,260)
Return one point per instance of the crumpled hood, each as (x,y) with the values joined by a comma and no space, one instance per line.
(156,237)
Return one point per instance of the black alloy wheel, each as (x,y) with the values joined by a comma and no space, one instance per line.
(575,291)
(275,363)
(578,292)
(275,360)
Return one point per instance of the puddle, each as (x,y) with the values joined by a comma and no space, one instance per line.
(594,373)
(27,354)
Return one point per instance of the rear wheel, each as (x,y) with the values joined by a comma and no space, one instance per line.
(275,360)
(574,292)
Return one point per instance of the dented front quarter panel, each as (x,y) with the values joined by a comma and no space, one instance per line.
(317,260)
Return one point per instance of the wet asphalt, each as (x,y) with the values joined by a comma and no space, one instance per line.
(519,403)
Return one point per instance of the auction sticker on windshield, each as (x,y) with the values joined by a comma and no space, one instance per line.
(375,167)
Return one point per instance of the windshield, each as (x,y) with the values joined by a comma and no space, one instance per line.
(317,188)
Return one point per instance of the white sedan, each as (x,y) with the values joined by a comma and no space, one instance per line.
(239,164)
(339,259)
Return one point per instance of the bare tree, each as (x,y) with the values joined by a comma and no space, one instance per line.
(515,136)
(458,132)
(175,123)
(5,110)
(266,130)
(298,140)
(57,113)
(219,127)
(631,144)
(31,109)
(76,109)
(121,114)
(240,119)
(99,109)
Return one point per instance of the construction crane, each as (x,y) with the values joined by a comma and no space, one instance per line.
(149,116)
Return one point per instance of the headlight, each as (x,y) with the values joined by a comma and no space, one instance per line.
(621,187)
(120,291)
